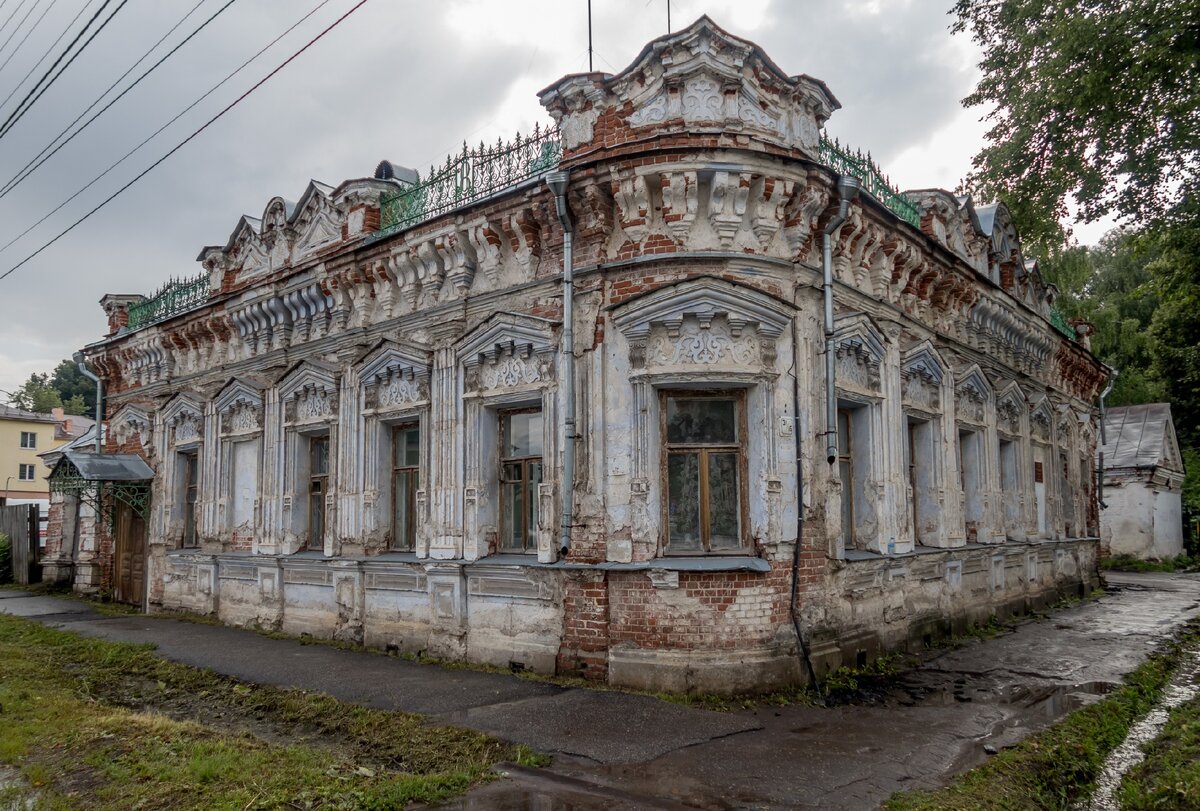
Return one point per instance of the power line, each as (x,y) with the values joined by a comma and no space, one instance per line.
(21,44)
(155,134)
(17,28)
(25,171)
(14,13)
(47,52)
(26,104)
(187,140)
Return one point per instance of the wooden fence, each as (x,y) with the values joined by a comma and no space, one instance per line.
(20,523)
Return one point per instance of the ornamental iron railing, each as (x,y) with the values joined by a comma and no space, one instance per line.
(1060,323)
(174,297)
(855,163)
(470,175)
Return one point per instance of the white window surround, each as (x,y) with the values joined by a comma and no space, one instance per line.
(508,362)
(238,410)
(27,473)
(179,427)
(308,406)
(702,334)
(29,440)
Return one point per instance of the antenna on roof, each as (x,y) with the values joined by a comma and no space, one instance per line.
(589,36)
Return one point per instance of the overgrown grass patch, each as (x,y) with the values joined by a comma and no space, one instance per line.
(1169,778)
(1128,563)
(1058,767)
(102,725)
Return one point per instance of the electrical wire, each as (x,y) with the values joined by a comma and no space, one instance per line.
(155,134)
(21,44)
(186,140)
(32,166)
(26,104)
(14,13)
(13,33)
(47,52)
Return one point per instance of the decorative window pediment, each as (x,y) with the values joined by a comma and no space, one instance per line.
(1040,419)
(971,393)
(703,322)
(394,376)
(309,392)
(860,348)
(1010,407)
(239,407)
(508,351)
(183,417)
(132,421)
(921,376)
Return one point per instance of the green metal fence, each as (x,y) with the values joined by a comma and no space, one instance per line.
(856,164)
(1060,323)
(174,297)
(470,175)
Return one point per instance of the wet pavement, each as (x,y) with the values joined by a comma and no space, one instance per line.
(618,751)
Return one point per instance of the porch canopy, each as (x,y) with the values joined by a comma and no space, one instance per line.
(102,479)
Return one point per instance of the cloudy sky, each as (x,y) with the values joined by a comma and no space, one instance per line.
(407,80)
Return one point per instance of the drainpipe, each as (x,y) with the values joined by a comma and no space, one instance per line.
(557,181)
(848,188)
(795,597)
(86,372)
(1112,380)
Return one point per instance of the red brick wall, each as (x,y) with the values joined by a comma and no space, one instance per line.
(584,649)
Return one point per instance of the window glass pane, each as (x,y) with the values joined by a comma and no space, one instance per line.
(522,434)
(843,418)
(694,420)
(406,485)
(846,473)
(535,478)
(723,491)
(512,498)
(318,447)
(683,508)
(316,519)
(408,446)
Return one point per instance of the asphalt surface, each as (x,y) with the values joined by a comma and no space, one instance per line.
(616,751)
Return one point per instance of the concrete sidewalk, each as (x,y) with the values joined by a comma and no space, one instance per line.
(615,750)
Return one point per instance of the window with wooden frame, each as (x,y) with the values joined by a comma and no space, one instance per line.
(318,486)
(846,473)
(704,471)
(189,466)
(406,480)
(520,475)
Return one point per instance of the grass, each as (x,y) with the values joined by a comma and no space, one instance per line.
(102,725)
(1058,767)
(1169,778)
(1128,563)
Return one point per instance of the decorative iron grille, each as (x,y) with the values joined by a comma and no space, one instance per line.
(856,164)
(175,297)
(1060,323)
(470,175)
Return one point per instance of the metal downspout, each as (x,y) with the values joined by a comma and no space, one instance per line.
(795,597)
(81,363)
(1112,380)
(847,190)
(557,181)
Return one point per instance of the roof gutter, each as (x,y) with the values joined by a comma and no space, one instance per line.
(81,363)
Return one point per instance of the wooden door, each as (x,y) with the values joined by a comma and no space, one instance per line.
(129,579)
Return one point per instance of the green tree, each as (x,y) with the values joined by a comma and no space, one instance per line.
(1095,100)
(78,392)
(36,394)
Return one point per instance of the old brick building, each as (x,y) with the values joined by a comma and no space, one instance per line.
(386,414)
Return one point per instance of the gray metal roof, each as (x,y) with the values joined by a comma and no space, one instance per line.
(110,467)
(1140,436)
(12,413)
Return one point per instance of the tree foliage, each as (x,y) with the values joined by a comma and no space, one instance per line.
(1095,100)
(43,392)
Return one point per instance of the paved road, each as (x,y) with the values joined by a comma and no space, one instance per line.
(619,751)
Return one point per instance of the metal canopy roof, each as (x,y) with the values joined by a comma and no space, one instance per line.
(110,467)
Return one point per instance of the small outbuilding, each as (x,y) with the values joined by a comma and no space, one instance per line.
(1143,477)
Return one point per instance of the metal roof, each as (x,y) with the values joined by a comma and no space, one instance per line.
(110,467)
(1140,436)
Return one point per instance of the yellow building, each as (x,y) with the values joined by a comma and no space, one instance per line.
(23,435)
